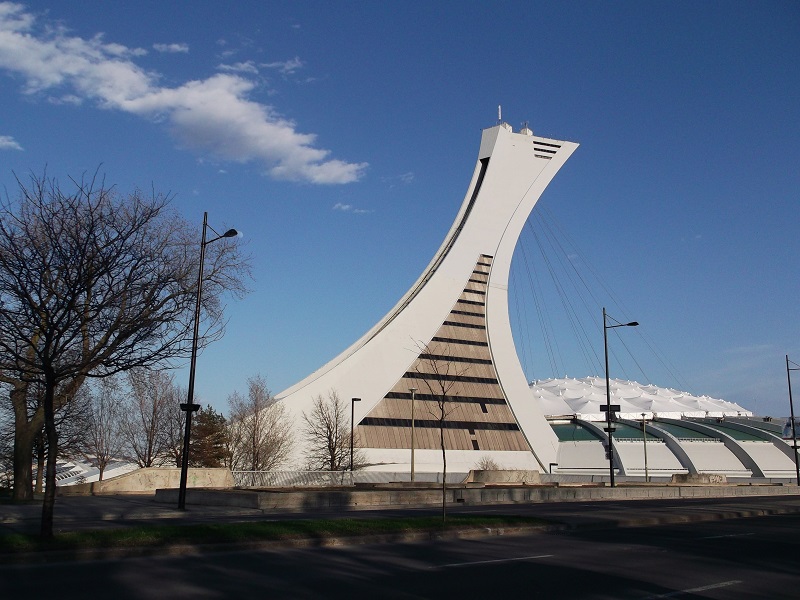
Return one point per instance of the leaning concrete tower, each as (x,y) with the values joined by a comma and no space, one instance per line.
(451,333)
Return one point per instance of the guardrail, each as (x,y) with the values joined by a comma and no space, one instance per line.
(333,478)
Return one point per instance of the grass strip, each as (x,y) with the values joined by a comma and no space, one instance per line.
(156,536)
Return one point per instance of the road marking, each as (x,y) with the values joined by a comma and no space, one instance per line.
(730,535)
(489,562)
(703,588)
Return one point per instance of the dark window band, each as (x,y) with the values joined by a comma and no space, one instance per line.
(460,359)
(460,399)
(445,377)
(467,325)
(455,341)
(472,302)
(466,313)
(482,293)
(434,424)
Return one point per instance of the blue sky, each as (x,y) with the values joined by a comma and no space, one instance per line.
(340,138)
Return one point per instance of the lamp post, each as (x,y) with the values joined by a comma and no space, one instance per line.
(609,409)
(190,407)
(644,441)
(791,409)
(413,396)
(352,418)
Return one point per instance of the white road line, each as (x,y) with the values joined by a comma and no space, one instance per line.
(730,535)
(489,562)
(712,586)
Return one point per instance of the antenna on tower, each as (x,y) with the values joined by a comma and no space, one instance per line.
(499,113)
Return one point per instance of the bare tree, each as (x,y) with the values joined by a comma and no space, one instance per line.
(103,439)
(150,415)
(91,284)
(259,429)
(439,374)
(327,430)
(487,463)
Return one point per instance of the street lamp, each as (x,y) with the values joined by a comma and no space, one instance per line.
(609,409)
(413,396)
(791,409)
(352,417)
(644,441)
(189,407)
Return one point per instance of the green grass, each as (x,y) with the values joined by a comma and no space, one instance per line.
(159,536)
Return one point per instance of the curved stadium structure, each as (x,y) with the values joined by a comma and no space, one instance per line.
(682,433)
(450,337)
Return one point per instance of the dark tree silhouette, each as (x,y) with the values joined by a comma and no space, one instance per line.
(93,283)
(209,442)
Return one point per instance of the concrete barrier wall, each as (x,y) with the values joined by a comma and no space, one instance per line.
(151,479)
(355,498)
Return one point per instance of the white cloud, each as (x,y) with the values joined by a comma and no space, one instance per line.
(213,115)
(240,67)
(286,67)
(172,48)
(9,143)
(66,99)
(349,208)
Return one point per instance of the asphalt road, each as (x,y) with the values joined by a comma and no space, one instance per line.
(737,558)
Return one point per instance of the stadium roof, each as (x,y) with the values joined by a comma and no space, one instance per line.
(584,397)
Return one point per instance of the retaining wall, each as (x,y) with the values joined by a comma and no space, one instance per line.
(149,480)
(377,498)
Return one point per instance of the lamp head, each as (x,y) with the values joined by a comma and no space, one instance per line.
(230,233)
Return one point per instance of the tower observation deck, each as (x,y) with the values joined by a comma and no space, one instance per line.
(450,335)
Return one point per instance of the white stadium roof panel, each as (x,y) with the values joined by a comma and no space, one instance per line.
(584,398)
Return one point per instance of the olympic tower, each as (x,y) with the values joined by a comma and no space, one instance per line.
(450,333)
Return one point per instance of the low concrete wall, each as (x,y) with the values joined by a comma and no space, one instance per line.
(504,476)
(378,498)
(151,479)
(699,479)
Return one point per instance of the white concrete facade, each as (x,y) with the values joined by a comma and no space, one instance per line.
(511,173)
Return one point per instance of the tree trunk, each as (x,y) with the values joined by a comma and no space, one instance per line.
(40,457)
(25,432)
(48,505)
(444,474)
(23,463)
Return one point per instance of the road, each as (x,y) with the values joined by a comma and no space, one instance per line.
(737,558)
